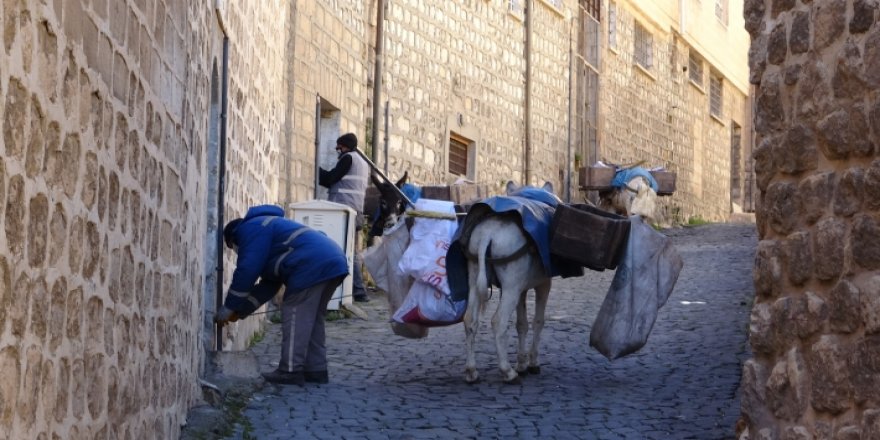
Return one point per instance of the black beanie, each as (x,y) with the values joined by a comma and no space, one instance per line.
(349,140)
(229,232)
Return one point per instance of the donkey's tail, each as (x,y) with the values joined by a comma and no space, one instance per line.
(482,277)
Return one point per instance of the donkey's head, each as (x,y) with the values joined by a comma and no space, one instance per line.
(391,204)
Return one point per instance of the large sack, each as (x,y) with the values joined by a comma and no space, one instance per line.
(427,306)
(382,261)
(643,282)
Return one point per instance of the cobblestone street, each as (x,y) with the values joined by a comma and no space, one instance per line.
(682,385)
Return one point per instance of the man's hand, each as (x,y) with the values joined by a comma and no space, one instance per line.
(225,316)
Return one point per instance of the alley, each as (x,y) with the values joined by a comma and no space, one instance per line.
(682,385)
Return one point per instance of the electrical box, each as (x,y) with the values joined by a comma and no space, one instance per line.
(338,222)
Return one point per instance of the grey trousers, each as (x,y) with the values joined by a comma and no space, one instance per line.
(302,336)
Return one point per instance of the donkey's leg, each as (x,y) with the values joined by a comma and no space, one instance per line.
(500,324)
(471,325)
(542,292)
(522,332)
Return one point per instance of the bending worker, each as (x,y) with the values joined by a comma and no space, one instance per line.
(275,251)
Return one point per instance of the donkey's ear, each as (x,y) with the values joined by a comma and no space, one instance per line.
(548,187)
(511,187)
(402,179)
(376,182)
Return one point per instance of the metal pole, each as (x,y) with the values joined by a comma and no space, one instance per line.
(387,115)
(382,175)
(568,141)
(317,144)
(220,189)
(377,76)
(527,144)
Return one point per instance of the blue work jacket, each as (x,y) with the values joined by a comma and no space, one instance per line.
(278,251)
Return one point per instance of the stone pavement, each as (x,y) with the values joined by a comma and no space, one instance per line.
(684,384)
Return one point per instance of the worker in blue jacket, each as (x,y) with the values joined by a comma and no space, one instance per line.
(275,251)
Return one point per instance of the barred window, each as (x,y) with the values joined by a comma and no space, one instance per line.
(721,11)
(612,25)
(716,96)
(643,52)
(592,7)
(591,35)
(695,68)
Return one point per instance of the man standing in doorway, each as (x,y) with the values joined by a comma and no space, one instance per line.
(347,182)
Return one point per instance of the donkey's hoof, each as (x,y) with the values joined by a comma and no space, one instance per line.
(471,377)
(515,380)
(534,369)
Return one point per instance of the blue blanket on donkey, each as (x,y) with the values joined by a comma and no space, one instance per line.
(534,209)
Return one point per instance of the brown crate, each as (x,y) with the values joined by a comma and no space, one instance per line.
(588,235)
(665,182)
(596,178)
(462,194)
(439,192)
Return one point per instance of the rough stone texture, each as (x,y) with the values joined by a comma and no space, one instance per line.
(786,390)
(848,197)
(798,257)
(870,304)
(829,22)
(863,16)
(826,307)
(799,35)
(829,242)
(816,192)
(865,241)
(830,382)
(844,304)
(768,269)
(865,365)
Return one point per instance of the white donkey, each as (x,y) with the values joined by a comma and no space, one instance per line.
(499,242)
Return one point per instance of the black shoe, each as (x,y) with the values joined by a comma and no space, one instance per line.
(285,377)
(316,376)
(361,299)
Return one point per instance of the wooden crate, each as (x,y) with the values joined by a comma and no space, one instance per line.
(596,178)
(458,194)
(665,182)
(586,234)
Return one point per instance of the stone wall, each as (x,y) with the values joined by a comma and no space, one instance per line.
(103,176)
(659,116)
(459,67)
(815,331)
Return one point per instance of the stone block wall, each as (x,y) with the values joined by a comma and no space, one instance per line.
(814,328)
(459,67)
(659,116)
(103,172)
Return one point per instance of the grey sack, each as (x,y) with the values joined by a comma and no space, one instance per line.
(644,280)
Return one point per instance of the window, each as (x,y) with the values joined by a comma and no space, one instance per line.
(555,3)
(592,8)
(695,68)
(715,95)
(721,11)
(516,8)
(643,53)
(612,25)
(458,155)
(591,33)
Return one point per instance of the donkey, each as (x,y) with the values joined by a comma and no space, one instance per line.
(497,243)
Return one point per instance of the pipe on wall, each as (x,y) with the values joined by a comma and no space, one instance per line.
(377,78)
(527,110)
(224,91)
